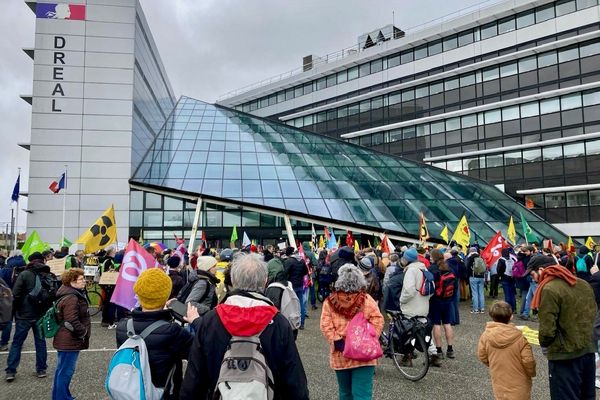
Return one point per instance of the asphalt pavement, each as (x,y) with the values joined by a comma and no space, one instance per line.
(462,378)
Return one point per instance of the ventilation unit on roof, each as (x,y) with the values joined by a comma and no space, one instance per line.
(309,61)
(378,36)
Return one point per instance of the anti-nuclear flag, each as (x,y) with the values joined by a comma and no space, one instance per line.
(444,233)
(589,243)
(511,232)
(493,250)
(530,236)
(462,234)
(101,234)
(423,231)
(32,244)
(135,261)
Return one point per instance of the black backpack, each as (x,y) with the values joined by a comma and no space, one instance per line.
(44,291)
(187,289)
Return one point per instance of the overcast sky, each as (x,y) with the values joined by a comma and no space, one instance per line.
(208,47)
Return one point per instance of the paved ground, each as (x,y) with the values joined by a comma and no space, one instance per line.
(464,377)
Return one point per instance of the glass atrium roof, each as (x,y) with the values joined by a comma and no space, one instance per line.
(217,152)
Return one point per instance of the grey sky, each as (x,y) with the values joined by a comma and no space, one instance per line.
(208,47)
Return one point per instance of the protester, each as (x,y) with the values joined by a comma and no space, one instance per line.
(595,283)
(393,288)
(313,263)
(168,344)
(26,316)
(296,269)
(476,268)
(355,378)
(567,311)
(457,267)
(110,312)
(373,287)
(74,333)
(523,280)
(9,273)
(225,258)
(505,268)
(245,312)
(494,280)
(504,349)
(201,289)
(441,303)
(177,281)
(584,263)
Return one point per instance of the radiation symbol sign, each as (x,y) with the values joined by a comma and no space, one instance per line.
(102,230)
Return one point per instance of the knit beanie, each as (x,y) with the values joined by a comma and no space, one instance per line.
(410,255)
(153,288)
(205,263)
(173,261)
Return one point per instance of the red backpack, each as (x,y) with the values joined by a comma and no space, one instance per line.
(444,289)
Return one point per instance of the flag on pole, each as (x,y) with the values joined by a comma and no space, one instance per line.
(511,231)
(313,237)
(423,231)
(331,243)
(570,245)
(493,250)
(327,235)
(245,240)
(135,261)
(65,242)
(32,244)
(234,236)
(530,236)
(102,233)
(15,193)
(356,248)
(547,244)
(349,239)
(444,233)
(59,183)
(321,242)
(180,252)
(178,240)
(462,234)
(384,245)
(589,243)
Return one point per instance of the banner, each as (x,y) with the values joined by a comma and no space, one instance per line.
(109,278)
(135,261)
(57,265)
(493,251)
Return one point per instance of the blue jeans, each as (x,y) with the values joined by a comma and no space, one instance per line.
(65,368)
(22,327)
(508,287)
(355,383)
(532,288)
(300,294)
(477,299)
(6,334)
(455,304)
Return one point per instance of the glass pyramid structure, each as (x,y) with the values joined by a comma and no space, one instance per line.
(220,153)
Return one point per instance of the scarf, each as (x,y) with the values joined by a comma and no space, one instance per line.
(347,304)
(550,273)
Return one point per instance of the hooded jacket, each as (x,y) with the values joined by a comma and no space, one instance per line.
(13,266)
(504,349)
(74,333)
(199,297)
(589,263)
(412,303)
(244,314)
(21,289)
(295,268)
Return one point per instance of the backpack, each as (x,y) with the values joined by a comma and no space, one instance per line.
(129,376)
(286,301)
(6,304)
(479,266)
(518,269)
(428,286)
(361,342)
(50,324)
(580,264)
(44,291)
(445,286)
(187,289)
(244,372)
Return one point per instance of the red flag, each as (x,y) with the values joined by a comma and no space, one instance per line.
(385,248)
(327,235)
(349,239)
(493,250)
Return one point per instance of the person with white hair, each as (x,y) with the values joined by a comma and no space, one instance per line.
(245,312)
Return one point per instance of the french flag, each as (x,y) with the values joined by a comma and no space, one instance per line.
(60,183)
(60,11)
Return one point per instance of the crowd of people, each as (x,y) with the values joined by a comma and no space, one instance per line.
(265,294)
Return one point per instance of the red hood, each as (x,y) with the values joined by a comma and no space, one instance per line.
(245,320)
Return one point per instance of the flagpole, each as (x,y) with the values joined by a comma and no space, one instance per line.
(17,214)
(62,233)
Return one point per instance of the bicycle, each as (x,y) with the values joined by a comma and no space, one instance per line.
(407,342)
(94,296)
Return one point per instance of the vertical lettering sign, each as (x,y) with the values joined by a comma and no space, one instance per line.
(59,11)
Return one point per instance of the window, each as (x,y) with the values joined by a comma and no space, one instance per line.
(406,56)
(594,197)
(577,199)
(532,155)
(436,88)
(508,70)
(435,47)
(364,69)
(506,25)
(451,42)
(489,30)
(581,4)
(465,37)
(549,106)
(528,64)
(376,65)
(437,127)
(544,13)
(467,80)
(393,61)
(555,200)
(565,7)
(547,59)
(568,55)
(530,109)
(353,73)
(570,101)
(591,98)
(342,76)
(321,84)
(509,113)
(492,116)
(469,121)
(394,98)
(423,130)
(453,124)
(574,149)
(308,88)
(552,153)
(450,84)
(526,18)
(421,52)
(409,132)
(490,73)
(422,91)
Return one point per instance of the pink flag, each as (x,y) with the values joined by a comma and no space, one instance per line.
(180,252)
(135,261)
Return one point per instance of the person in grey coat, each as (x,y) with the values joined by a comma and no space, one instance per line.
(201,287)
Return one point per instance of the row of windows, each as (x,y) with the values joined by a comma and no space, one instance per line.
(525,110)
(521,20)
(563,199)
(448,87)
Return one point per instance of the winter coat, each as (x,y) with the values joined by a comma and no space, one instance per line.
(275,268)
(203,282)
(296,269)
(21,289)
(595,284)
(389,271)
(393,289)
(167,345)
(244,314)
(504,349)
(75,331)
(12,266)
(412,303)
(177,282)
(589,263)
(566,316)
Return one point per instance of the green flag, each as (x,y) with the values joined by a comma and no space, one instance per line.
(233,235)
(530,236)
(65,242)
(33,244)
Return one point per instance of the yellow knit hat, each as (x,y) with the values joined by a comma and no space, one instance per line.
(153,288)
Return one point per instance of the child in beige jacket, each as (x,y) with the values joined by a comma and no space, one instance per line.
(504,349)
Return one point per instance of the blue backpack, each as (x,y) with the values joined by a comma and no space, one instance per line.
(129,376)
(428,286)
(580,265)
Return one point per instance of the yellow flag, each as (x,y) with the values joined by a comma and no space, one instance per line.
(570,245)
(101,234)
(321,242)
(423,231)
(356,248)
(462,234)
(444,233)
(589,243)
(511,232)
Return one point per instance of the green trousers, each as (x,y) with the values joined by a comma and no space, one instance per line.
(356,383)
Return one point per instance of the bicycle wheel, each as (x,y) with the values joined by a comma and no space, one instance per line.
(95,302)
(414,364)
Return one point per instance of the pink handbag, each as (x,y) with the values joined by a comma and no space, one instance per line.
(361,342)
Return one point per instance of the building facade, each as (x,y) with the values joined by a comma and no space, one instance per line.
(509,94)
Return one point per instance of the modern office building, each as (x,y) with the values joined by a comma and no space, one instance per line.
(102,105)
(508,93)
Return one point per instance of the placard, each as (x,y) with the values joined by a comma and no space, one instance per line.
(90,270)
(57,265)
(530,334)
(109,278)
